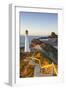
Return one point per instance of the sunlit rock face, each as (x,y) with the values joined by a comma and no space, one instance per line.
(48,50)
(27,49)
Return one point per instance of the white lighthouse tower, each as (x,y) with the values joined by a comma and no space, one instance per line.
(27,49)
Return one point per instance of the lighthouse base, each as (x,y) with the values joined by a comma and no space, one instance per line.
(27,49)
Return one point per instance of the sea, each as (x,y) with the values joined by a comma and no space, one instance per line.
(30,38)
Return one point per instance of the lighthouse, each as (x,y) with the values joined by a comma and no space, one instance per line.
(27,49)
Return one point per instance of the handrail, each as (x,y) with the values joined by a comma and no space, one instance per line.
(46,66)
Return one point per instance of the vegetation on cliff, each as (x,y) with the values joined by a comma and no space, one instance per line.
(43,54)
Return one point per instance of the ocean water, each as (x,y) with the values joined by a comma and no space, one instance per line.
(22,39)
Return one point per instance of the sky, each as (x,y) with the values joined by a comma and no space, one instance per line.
(38,24)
